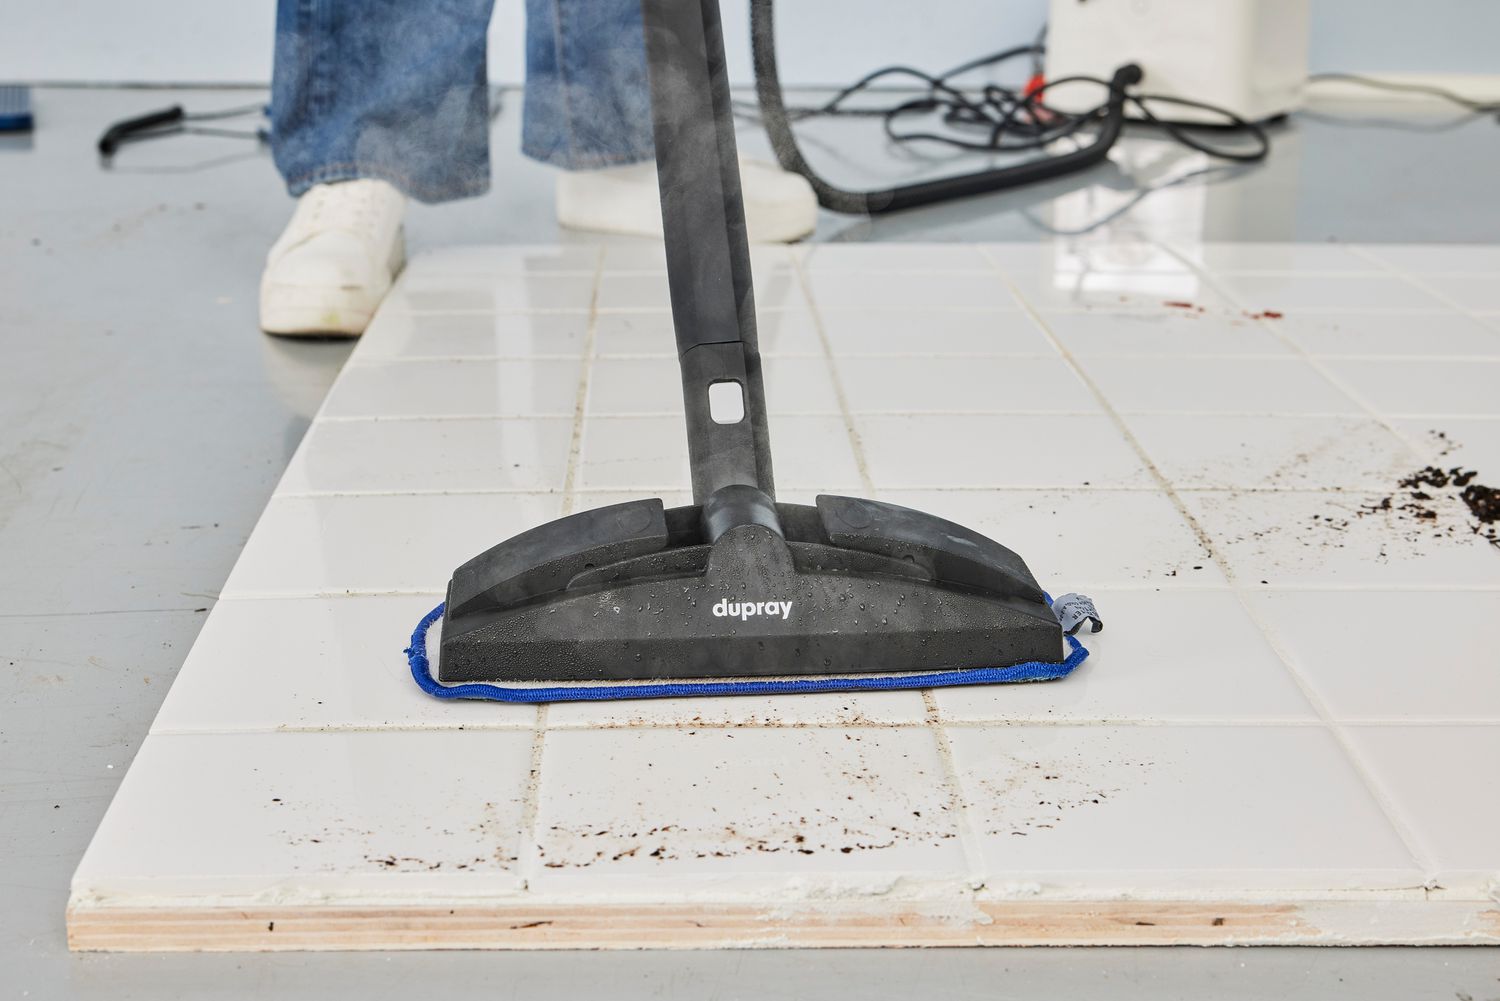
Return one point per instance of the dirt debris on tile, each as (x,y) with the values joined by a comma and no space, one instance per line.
(1417,500)
(696,794)
(1040,795)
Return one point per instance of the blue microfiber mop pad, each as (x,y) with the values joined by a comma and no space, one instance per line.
(1080,610)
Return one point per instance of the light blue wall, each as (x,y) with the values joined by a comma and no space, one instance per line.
(1435,36)
(837,41)
(821,41)
(833,41)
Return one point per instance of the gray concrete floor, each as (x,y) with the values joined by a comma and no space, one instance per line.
(144,421)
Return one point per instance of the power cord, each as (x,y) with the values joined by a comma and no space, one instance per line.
(994,118)
(176,121)
(1452,97)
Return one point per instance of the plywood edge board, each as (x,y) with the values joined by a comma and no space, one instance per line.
(823,925)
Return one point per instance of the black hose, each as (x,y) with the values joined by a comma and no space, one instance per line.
(122,132)
(773,115)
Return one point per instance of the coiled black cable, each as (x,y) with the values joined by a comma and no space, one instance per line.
(993,119)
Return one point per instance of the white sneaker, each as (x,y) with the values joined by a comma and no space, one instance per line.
(335,261)
(779,206)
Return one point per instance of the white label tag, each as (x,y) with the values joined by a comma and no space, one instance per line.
(1073,610)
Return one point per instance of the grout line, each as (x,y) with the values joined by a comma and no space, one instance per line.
(1126,586)
(185,610)
(580,402)
(1375,788)
(848,414)
(396,309)
(1353,491)
(978,723)
(529,861)
(417,492)
(967,831)
(1285,357)
(1151,308)
(461,360)
(656,310)
(384,592)
(1417,281)
(936,720)
(662,415)
(476,417)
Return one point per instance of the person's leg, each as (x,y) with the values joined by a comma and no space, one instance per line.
(372,101)
(388,89)
(588,110)
(588,104)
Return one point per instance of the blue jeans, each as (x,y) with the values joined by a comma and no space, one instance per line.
(397,90)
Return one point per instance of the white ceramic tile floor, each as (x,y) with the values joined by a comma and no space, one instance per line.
(1163,333)
(1232,258)
(1281,452)
(1013,450)
(377,543)
(350,681)
(543,387)
(1290,701)
(1477,292)
(485,261)
(650,454)
(1410,387)
(1088,808)
(439,456)
(409,336)
(778,289)
(1115,291)
(1175,655)
(1413,335)
(329,815)
(867,332)
(796,385)
(1288,293)
(822,709)
(1429,773)
(1465,442)
(1114,255)
(964,385)
(1395,655)
(877,257)
(980,288)
(1074,539)
(1436,259)
(702,811)
(645,257)
(519,292)
(1343,539)
(1216,385)
(781,332)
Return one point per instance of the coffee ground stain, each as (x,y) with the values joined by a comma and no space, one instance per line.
(1418,499)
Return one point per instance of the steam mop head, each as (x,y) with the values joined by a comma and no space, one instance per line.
(421,670)
(635,601)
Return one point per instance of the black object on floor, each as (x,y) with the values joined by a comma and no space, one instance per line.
(736,585)
(177,120)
